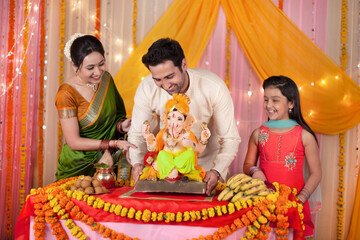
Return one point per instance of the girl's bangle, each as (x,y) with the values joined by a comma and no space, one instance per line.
(253,169)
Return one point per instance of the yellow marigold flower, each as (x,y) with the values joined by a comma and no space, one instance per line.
(95,204)
(83,237)
(118,209)
(90,200)
(249,202)
(80,195)
(167,219)
(301,216)
(249,235)
(172,217)
(131,213)
(204,213)
(198,215)
(74,194)
(300,207)
(68,222)
(237,205)
(211,212)
(224,209)
(123,212)
(33,191)
(65,216)
(112,208)
(178,217)
(243,204)
(146,215)
(288,204)
(231,208)
(153,216)
(160,216)
(186,216)
(218,210)
(79,235)
(61,212)
(107,206)
(57,208)
(75,230)
(256,224)
(69,193)
(50,196)
(262,219)
(85,197)
(138,215)
(192,216)
(101,203)
(271,207)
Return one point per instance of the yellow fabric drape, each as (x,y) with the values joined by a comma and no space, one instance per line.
(274,45)
(189,22)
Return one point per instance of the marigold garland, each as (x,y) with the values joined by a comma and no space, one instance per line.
(134,24)
(23,109)
(341,164)
(61,61)
(40,156)
(54,201)
(9,121)
(228,54)
(97,19)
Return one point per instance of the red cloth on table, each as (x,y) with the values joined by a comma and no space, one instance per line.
(141,201)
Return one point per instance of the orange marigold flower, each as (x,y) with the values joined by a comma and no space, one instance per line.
(89,221)
(251,216)
(245,220)
(95,226)
(238,223)
(120,236)
(101,228)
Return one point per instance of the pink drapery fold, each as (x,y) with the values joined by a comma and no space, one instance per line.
(23,139)
(245,85)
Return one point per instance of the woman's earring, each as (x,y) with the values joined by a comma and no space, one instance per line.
(290,110)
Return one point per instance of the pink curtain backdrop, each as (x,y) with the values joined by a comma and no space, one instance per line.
(245,86)
(21,144)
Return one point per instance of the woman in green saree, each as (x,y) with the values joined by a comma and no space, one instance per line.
(91,111)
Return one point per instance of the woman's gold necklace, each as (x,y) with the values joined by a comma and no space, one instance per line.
(93,86)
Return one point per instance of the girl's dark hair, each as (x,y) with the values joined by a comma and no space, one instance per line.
(83,46)
(289,89)
(162,50)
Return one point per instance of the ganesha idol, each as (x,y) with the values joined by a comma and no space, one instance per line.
(172,155)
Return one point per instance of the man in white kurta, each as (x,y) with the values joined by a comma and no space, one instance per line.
(210,103)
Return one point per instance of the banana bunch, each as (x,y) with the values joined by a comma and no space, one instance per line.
(243,187)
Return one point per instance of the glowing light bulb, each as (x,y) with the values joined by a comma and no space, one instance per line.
(323,81)
(142,78)
(131,49)
(249,93)
(237,122)
(312,83)
(300,88)
(336,77)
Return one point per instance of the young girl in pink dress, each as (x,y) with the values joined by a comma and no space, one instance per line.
(283,143)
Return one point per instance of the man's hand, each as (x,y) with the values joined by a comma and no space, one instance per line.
(137,171)
(211,178)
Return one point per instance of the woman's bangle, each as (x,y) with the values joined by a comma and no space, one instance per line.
(105,144)
(253,169)
(119,127)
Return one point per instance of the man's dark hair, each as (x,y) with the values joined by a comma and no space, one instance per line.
(162,50)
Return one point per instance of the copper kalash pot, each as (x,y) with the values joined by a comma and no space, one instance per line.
(106,176)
